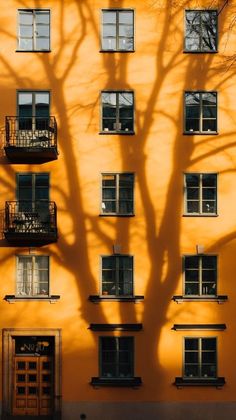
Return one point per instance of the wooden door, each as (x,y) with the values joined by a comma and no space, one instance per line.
(33,385)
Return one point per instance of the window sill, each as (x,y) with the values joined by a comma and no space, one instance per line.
(119,382)
(33,51)
(122,133)
(200,52)
(116,51)
(200,215)
(216,382)
(218,299)
(116,215)
(199,327)
(98,299)
(202,133)
(14,299)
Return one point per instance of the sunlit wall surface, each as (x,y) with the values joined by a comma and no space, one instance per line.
(118,169)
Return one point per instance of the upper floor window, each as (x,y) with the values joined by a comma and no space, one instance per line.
(34,30)
(200,112)
(200,358)
(117,112)
(117,30)
(117,194)
(116,357)
(200,194)
(32,276)
(117,275)
(201,30)
(200,275)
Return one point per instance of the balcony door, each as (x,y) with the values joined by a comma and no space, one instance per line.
(33,110)
(33,193)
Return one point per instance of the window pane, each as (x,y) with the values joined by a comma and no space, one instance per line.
(192,98)
(26,31)
(192,111)
(109,17)
(209,207)
(209,371)
(191,371)
(208,180)
(126,17)
(191,289)
(209,262)
(209,98)
(193,207)
(191,262)
(209,125)
(192,180)
(109,30)
(108,262)
(108,44)
(25,44)
(192,125)
(191,344)
(108,343)
(191,356)
(42,17)
(193,193)
(42,44)
(26,17)
(209,343)
(126,44)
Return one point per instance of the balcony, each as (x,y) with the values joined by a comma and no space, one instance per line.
(30,222)
(31,139)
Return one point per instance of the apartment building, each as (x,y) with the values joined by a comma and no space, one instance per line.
(118,209)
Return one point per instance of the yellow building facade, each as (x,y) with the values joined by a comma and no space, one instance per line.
(118,208)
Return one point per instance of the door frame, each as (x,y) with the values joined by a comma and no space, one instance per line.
(7,376)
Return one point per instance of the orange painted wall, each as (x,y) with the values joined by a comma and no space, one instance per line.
(159,72)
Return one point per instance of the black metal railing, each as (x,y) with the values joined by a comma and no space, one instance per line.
(27,217)
(31,132)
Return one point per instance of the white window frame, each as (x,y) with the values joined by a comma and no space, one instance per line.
(34,37)
(200,213)
(117,36)
(200,270)
(33,258)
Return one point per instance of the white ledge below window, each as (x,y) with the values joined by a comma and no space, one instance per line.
(14,299)
(218,299)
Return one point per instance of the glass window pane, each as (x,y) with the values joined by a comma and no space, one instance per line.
(209,125)
(192,125)
(108,262)
(26,17)
(42,31)
(209,180)
(193,193)
(108,43)
(209,343)
(42,17)
(42,262)
(192,98)
(126,17)
(109,31)
(193,207)
(42,44)
(26,31)
(192,44)
(209,98)
(126,44)
(42,180)
(192,180)
(25,44)
(191,344)
(209,207)
(209,262)
(109,17)
(191,289)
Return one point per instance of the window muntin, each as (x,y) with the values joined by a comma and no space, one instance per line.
(117,30)
(201,30)
(116,357)
(117,112)
(200,275)
(32,276)
(117,194)
(200,358)
(117,275)
(200,112)
(34,30)
(201,194)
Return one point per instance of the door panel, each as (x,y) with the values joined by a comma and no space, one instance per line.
(33,385)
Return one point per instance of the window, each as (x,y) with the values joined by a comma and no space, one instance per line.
(200,275)
(34,30)
(200,358)
(117,112)
(33,112)
(117,275)
(117,194)
(116,357)
(201,30)
(201,194)
(32,276)
(117,30)
(200,112)
(33,192)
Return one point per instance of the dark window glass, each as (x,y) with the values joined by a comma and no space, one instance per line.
(200,193)
(117,275)
(200,358)
(201,30)
(200,275)
(116,357)
(200,112)
(118,112)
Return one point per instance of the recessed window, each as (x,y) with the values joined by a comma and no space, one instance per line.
(32,276)
(200,112)
(201,30)
(34,30)
(117,194)
(116,357)
(117,112)
(117,30)
(200,358)
(117,275)
(200,275)
(201,194)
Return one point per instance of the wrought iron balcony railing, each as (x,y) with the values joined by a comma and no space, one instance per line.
(28,220)
(36,135)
